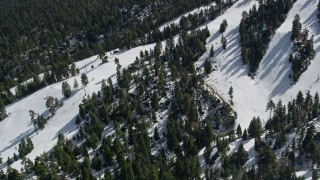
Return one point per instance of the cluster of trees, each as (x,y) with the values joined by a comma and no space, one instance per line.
(52,75)
(223,26)
(303,50)
(37,120)
(25,147)
(62,44)
(152,84)
(257,26)
(50,36)
(298,118)
(52,104)
(127,152)
(55,55)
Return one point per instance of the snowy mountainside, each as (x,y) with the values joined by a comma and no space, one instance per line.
(272,80)
(18,124)
(250,95)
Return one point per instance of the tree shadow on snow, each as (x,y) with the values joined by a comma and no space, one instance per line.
(17,140)
(68,128)
(308,3)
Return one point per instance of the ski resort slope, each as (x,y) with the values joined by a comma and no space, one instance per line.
(19,125)
(272,80)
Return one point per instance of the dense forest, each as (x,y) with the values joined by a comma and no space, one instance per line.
(38,36)
(160,82)
(162,115)
(256,28)
(159,119)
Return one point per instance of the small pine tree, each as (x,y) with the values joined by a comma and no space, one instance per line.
(84,79)
(296,28)
(156,134)
(239,131)
(73,69)
(66,89)
(231,95)
(78,120)
(9,161)
(245,135)
(255,128)
(223,42)
(75,84)
(207,66)
(15,157)
(51,104)
(3,112)
(212,51)
(270,106)
(223,26)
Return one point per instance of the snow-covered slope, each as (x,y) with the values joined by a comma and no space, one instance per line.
(19,125)
(272,80)
(250,96)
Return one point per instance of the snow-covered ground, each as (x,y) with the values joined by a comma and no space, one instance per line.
(272,80)
(19,125)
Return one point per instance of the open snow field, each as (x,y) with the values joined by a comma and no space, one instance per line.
(272,80)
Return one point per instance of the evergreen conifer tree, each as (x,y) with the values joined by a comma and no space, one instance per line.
(207,66)
(66,89)
(84,79)
(3,112)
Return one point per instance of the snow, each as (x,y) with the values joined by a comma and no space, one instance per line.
(272,80)
(19,125)
(306,174)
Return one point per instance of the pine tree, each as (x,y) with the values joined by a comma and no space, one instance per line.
(245,135)
(267,158)
(75,84)
(296,28)
(239,131)
(207,66)
(223,26)
(84,79)
(242,155)
(3,112)
(223,42)
(231,95)
(270,106)
(9,161)
(155,101)
(255,128)
(66,89)
(51,104)
(211,51)
(73,69)
(316,106)
(156,134)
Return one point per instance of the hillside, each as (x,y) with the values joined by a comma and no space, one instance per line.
(272,80)
(161,111)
